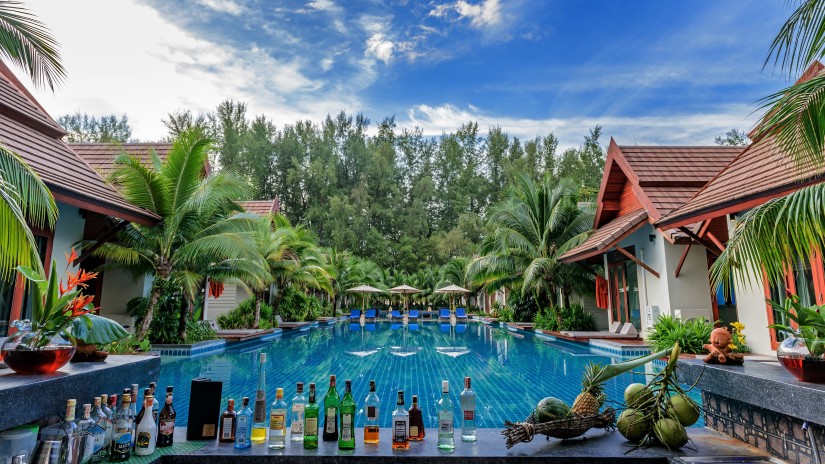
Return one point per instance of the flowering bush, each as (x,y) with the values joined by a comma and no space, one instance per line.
(737,340)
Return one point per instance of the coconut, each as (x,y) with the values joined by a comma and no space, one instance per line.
(637,395)
(633,425)
(670,433)
(683,409)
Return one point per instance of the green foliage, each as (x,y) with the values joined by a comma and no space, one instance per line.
(502,312)
(164,326)
(198,331)
(89,129)
(733,138)
(691,335)
(809,320)
(524,307)
(243,316)
(573,317)
(27,43)
(127,345)
(298,306)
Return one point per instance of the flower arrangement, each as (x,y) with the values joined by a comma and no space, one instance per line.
(738,343)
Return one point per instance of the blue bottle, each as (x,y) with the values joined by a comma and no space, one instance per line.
(243,431)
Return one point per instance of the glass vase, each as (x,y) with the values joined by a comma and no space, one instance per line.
(795,356)
(36,352)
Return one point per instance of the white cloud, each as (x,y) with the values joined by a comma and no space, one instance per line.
(320,5)
(485,14)
(380,47)
(223,6)
(326,64)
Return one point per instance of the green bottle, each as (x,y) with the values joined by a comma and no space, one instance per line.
(332,403)
(311,421)
(346,439)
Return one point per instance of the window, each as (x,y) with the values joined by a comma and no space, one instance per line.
(9,289)
(806,280)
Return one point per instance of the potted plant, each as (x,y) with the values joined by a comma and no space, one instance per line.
(61,317)
(802,353)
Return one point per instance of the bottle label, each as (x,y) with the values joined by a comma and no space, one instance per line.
(298,408)
(469,414)
(99,433)
(277,422)
(297,426)
(143,440)
(445,425)
(226,428)
(372,413)
(331,420)
(399,431)
(241,429)
(346,427)
(311,426)
(413,430)
(260,406)
(167,427)
(122,444)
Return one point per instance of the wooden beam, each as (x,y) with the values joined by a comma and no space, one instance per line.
(101,239)
(709,245)
(682,260)
(637,261)
(716,241)
(703,226)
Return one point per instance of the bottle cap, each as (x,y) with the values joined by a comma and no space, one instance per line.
(97,401)
(245,400)
(230,402)
(445,386)
(415,399)
(279,393)
(87,408)
(300,387)
(332,380)
(71,402)
(153,384)
(263,358)
(169,389)
(372,385)
(126,398)
(467,383)
(134,387)
(348,384)
(104,399)
(400,397)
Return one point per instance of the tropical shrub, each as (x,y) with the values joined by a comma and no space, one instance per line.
(502,312)
(164,325)
(243,316)
(573,317)
(298,306)
(198,331)
(127,345)
(691,335)
(524,307)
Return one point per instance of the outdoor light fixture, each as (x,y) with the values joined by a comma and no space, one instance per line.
(652,237)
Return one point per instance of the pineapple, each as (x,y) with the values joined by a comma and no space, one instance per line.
(591,398)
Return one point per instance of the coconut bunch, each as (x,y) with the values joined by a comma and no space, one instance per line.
(659,411)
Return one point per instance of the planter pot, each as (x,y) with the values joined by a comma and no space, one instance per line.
(795,357)
(34,352)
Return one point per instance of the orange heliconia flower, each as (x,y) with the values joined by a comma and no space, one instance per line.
(77,306)
(72,257)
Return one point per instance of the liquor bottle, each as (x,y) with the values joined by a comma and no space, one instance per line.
(331,404)
(296,428)
(144,407)
(468,411)
(110,424)
(243,432)
(400,424)
(147,429)
(416,421)
(446,440)
(259,425)
(87,437)
(311,421)
(371,406)
(229,423)
(133,397)
(346,440)
(155,402)
(101,429)
(277,421)
(122,436)
(166,421)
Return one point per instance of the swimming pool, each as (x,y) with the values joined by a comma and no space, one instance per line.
(510,371)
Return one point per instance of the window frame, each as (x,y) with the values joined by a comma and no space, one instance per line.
(818,275)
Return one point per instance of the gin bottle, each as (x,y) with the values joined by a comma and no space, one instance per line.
(468,412)
(101,429)
(122,436)
(311,421)
(331,404)
(229,423)
(296,428)
(346,440)
(277,421)
(400,424)
(166,421)
(416,421)
(84,430)
(371,407)
(110,425)
(147,429)
(243,430)
(259,425)
(446,440)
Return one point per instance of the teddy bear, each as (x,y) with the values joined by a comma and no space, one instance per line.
(719,348)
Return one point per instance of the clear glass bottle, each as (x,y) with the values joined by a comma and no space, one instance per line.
(155,402)
(346,439)
(133,396)
(147,429)
(296,427)
(468,411)
(122,436)
(311,421)
(100,430)
(110,424)
(372,404)
(166,421)
(259,424)
(277,421)
(416,421)
(400,424)
(332,403)
(84,430)
(243,431)
(229,423)
(446,438)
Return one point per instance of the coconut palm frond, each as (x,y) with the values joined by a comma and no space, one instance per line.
(801,38)
(26,42)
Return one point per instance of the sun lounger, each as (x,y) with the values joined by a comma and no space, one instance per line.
(443,313)
(413,314)
(354,313)
(461,313)
(395,314)
(289,325)
(370,326)
(239,335)
(460,328)
(444,326)
(370,314)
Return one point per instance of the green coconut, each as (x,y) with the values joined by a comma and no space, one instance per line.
(683,409)
(670,433)
(637,395)
(550,409)
(633,425)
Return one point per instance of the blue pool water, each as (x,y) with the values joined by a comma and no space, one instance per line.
(510,372)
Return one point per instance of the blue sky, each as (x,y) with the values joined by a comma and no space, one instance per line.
(651,72)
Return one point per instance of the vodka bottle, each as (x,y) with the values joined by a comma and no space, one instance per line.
(371,406)
(86,433)
(331,404)
(296,428)
(416,421)
(122,436)
(100,428)
(166,421)
(243,431)
(110,425)
(147,430)
(400,424)
(346,439)
(277,421)
(133,405)
(468,412)
(446,440)
(311,421)
(259,424)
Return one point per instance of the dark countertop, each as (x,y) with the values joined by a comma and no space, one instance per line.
(765,384)
(599,447)
(27,398)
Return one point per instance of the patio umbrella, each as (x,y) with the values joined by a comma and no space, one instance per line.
(364,290)
(405,290)
(452,289)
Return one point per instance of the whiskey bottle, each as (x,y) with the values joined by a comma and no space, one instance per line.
(416,421)
(332,402)
(122,436)
(468,412)
(277,421)
(229,423)
(400,424)
(243,431)
(147,429)
(346,439)
(311,421)
(446,439)
(166,421)
(259,425)
(371,406)
(296,427)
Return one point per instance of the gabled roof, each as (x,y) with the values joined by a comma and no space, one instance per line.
(607,236)
(101,156)
(27,129)
(260,206)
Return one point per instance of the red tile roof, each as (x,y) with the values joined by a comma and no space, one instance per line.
(260,206)
(606,237)
(101,156)
(26,128)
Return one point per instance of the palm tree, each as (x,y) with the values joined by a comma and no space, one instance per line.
(773,235)
(528,232)
(455,271)
(27,43)
(200,232)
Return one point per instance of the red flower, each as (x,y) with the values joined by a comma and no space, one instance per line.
(70,258)
(77,306)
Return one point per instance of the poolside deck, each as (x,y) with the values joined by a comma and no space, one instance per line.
(606,337)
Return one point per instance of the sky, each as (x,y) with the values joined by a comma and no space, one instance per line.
(648,71)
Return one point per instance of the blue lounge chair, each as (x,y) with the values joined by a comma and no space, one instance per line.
(396,314)
(370,314)
(413,314)
(412,326)
(461,313)
(443,313)
(370,326)
(354,326)
(460,328)
(444,326)
(354,313)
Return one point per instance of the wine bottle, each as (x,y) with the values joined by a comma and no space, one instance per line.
(468,412)
(296,428)
(166,421)
(332,402)
(311,421)
(122,436)
(147,429)
(346,439)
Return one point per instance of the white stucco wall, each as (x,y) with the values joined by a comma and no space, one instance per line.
(67,232)
(752,311)
(118,288)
